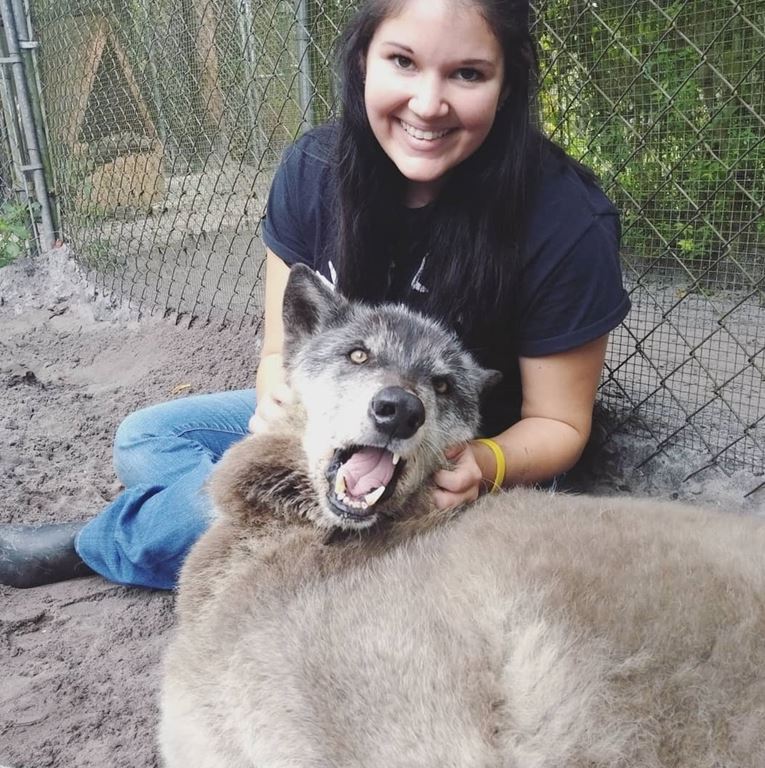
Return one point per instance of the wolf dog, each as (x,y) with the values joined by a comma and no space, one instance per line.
(331,616)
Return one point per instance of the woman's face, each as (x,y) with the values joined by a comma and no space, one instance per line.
(434,76)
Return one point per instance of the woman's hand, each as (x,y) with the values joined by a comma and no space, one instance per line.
(270,409)
(462,483)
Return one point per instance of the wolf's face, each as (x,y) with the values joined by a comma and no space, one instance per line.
(385,391)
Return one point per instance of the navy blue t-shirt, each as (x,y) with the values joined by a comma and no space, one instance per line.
(569,289)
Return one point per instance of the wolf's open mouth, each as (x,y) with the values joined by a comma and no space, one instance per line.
(360,477)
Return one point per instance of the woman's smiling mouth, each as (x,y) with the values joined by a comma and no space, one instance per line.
(424,135)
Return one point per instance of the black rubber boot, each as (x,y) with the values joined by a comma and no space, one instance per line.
(31,556)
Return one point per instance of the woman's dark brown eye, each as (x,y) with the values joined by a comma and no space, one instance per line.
(440,385)
(358,356)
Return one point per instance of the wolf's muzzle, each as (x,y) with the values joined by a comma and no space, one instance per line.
(396,412)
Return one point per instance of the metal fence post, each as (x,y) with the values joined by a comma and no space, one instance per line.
(304,61)
(34,165)
(14,162)
(28,48)
(246,26)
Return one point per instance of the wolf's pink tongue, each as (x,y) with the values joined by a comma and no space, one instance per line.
(366,470)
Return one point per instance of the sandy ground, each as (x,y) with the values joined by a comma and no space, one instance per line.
(80,659)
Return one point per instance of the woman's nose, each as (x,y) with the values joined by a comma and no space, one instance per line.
(428,100)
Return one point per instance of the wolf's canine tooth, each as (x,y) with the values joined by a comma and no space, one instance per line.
(374,496)
(339,484)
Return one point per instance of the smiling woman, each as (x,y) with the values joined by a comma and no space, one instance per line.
(434,189)
(434,78)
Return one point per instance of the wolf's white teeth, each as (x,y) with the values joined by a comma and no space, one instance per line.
(354,503)
(374,496)
(396,459)
(339,485)
(361,504)
(426,135)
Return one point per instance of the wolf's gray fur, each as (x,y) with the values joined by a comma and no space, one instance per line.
(531,630)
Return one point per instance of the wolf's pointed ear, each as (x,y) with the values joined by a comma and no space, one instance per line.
(309,303)
(489,378)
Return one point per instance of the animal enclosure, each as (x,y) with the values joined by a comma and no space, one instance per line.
(163,123)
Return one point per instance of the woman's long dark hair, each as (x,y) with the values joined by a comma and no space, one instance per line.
(481,212)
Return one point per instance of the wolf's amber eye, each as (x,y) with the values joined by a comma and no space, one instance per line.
(441,385)
(358,356)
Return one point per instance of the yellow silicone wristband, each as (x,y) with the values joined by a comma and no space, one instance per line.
(499,455)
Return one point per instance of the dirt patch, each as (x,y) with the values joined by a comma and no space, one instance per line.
(80,659)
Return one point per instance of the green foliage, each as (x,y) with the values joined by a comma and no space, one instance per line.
(14,231)
(665,103)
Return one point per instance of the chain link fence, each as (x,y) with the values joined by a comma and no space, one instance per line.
(666,101)
(166,119)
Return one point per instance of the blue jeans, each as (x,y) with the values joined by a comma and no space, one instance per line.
(163,455)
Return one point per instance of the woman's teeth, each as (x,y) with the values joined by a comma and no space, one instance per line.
(423,135)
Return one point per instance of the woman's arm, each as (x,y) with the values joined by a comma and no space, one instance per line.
(270,386)
(556,418)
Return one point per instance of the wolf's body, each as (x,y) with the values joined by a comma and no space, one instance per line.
(531,630)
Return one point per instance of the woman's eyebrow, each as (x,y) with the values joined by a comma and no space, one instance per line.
(461,63)
(478,63)
(397,45)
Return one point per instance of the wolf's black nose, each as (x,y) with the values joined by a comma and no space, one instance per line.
(396,412)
